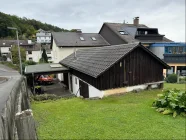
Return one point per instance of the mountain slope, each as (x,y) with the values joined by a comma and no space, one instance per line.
(26,27)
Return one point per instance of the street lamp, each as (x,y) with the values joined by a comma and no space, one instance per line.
(20,63)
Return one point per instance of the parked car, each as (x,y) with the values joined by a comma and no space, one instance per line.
(44,79)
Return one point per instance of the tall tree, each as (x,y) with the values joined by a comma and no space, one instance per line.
(44,57)
(15,54)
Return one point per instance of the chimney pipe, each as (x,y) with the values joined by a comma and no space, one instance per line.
(136,21)
(74,53)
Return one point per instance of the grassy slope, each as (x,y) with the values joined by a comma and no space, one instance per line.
(116,117)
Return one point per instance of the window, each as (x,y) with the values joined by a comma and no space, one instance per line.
(48,52)
(166,50)
(30,58)
(29,52)
(76,81)
(123,33)
(81,38)
(120,64)
(49,58)
(180,50)
(93,38)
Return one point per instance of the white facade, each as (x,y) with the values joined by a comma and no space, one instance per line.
(158,51)
(36,55)
(59,53)
(43,37)
(93,92)
(5,50)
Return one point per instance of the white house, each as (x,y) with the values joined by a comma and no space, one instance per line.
(35,53)
(5,46)
(65,43)
(43,36)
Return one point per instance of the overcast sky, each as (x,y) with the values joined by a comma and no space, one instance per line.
(89,15)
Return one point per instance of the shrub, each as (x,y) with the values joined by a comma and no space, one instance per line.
(172,78)
(171,102)
(45,97)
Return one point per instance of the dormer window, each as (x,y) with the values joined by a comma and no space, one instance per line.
(123,33)
(82,39)
(93,38)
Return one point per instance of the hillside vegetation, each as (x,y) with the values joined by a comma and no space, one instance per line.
(26,27)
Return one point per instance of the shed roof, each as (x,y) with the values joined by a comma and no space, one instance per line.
(45,68)
(70,39)
(95,61)
(131,30)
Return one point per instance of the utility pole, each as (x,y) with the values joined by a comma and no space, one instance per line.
(20,63)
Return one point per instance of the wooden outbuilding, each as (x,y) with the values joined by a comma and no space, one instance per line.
(112,69)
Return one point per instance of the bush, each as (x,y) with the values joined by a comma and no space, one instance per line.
(172,78)
(44,97)
(171,102)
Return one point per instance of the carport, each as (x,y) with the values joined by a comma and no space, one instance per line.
(43,69)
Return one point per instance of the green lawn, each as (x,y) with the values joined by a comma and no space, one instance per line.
(128,116)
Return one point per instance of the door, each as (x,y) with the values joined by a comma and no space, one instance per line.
(71,86)
(84,89)
(66,80)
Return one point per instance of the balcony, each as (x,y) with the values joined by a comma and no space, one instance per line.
(175,58)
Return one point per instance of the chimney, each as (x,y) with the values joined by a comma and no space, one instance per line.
(136,21)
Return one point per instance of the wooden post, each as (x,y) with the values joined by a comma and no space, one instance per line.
(33,84)
(25,125)
(178,77)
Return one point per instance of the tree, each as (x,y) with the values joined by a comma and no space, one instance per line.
(15,54)
(44,57)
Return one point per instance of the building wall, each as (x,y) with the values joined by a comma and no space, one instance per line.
(137,68)
(43,37)
(110,36)
(5,49)
(59,53)
(93,92)
(158,51)
(36,55)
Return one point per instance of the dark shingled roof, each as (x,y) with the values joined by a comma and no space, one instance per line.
(130,29)
(70,39)
(8,43)
(95,61)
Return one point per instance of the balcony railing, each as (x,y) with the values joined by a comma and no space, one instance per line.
(175,58)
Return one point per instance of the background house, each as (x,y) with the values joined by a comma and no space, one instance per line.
(113,69)
(43,36)
(123,33)
(5,46)
(173,53)
(65,43)
(35,53)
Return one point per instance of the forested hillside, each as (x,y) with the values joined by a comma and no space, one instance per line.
(26,27)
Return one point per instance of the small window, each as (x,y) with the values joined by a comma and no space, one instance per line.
(48,52)
(123,33)
(30,58)
(49,58)
(3,43)
(29,52)
(120,64)
(81,38)
(76,81)
(93,38)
